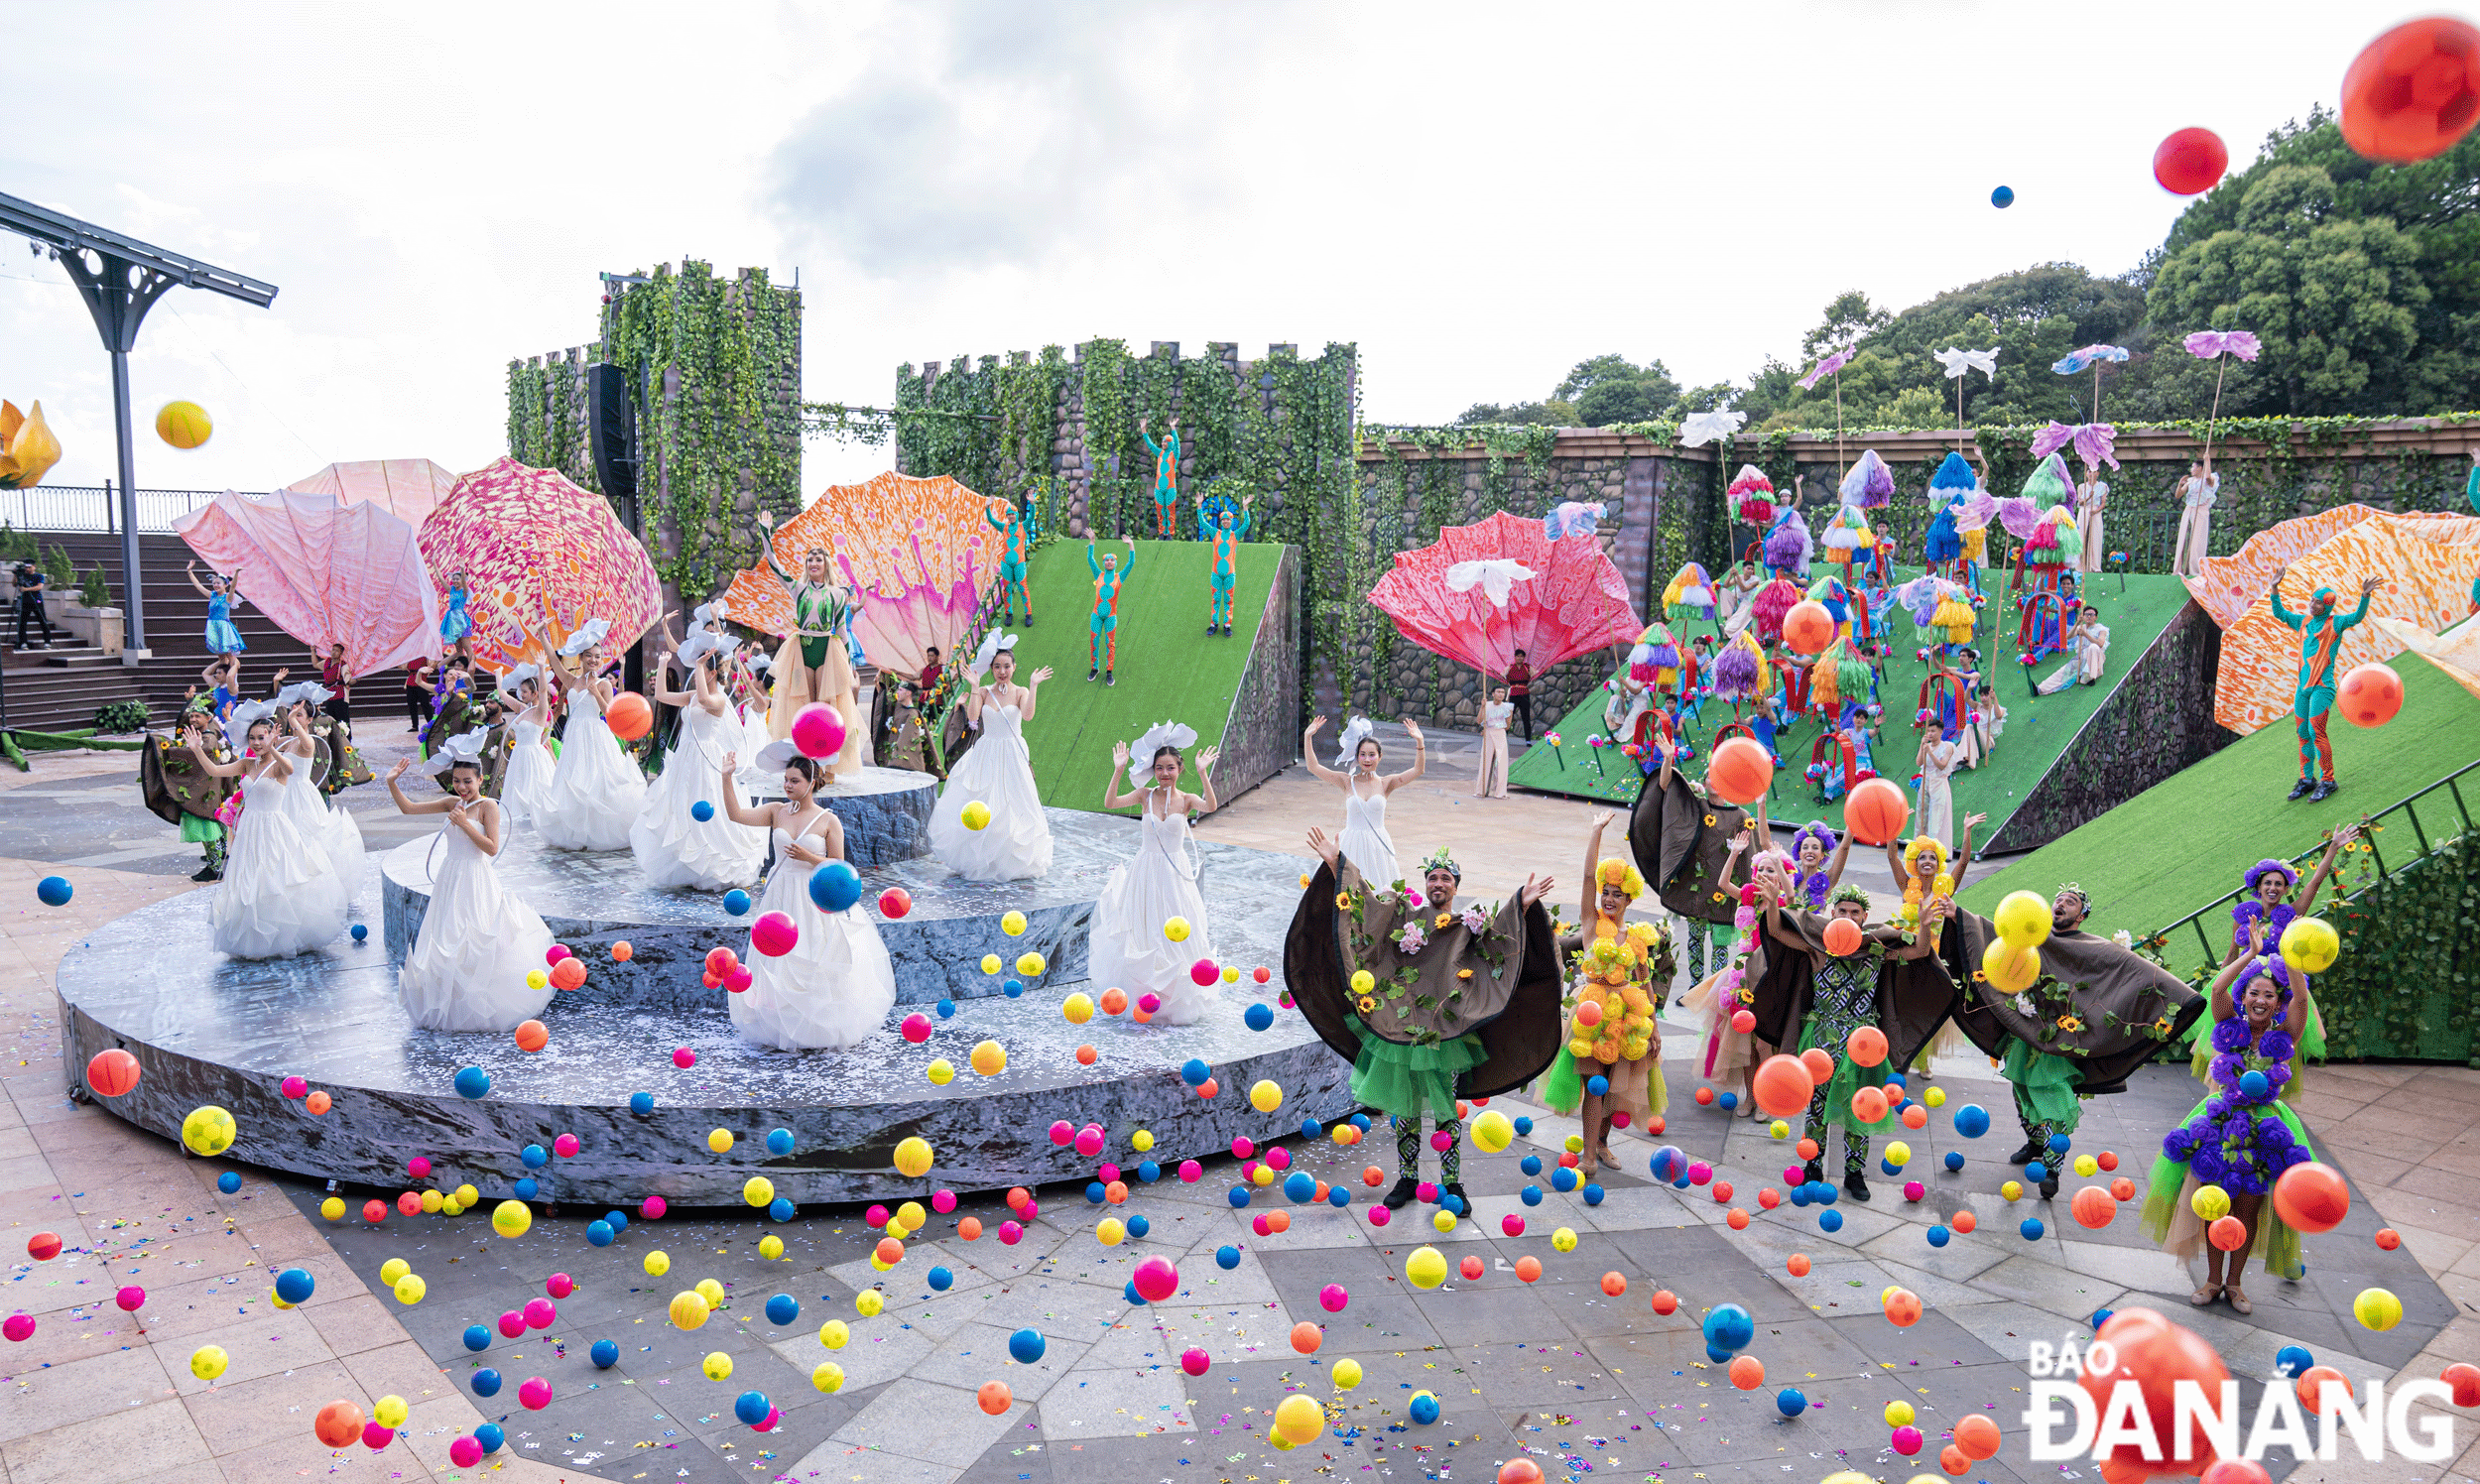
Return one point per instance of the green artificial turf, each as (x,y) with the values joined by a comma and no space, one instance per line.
(2186,840)
(2037,731)
(1169,670)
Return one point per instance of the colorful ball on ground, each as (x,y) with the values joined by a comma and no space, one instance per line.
(208,1131)
(1299,1418)
(1783,1086)
(2377,1309)
(1426,1268)
(112,1071)
(2311,1197)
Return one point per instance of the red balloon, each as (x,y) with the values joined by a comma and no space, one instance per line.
(628,716)
(112,1071)
(2413,91)
(1875,811)
(2369,696)
(2465,1379)
(1842,939)
(2236,1471)
(1740,772)
(2311,1197)
(1783,1086)
(2190,162)
(2156,1354)
(2094,1207)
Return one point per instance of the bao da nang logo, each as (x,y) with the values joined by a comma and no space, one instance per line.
(2148,1397)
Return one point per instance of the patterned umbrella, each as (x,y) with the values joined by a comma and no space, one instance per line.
(1576,602)
(917,555)
(539,553)
(324,571)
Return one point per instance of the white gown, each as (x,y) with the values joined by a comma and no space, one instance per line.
(672,848)
(467,970)
(1016,843)
(595,789)
(524,785)
(1366,843)
(1127,949)
(281,893)
(324,820)
(836,985)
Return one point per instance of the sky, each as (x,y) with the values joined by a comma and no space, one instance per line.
(1478,195)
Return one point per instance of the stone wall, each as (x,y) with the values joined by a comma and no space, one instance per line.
(1262,733)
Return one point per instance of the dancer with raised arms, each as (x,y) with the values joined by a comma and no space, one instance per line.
(1131,946)
(1013,840)
(526,776)
(1365,840)
(814,663)
(596,789)
(673,848)
(835,985)
(281,893)
(467,970)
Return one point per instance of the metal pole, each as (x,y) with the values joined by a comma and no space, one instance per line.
(134,606)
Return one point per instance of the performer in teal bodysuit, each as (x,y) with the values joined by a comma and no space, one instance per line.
(2321,644)
(1226,538)
(1107,576)
(1166,477)
(1017,535)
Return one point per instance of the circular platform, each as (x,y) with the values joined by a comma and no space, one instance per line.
(209,1029)
(593,899)
(886,811)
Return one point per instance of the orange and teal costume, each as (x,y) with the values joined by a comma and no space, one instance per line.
(1105,621)
(1226,571)
(1166,480)
(1017,540)
(2320,639)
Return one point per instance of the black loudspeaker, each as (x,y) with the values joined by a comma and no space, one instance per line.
(611,427)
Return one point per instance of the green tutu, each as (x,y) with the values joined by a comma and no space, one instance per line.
(2200,1039)
(1405,1081)
(2044,1083)
(197,830)
(1849,1077)
(2170,1220)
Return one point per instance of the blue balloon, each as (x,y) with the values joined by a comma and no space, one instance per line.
(1730,1326)
(2002,197)
(1149,1172)
(701,812)
(1955,1159)
(780,1141)
(1338,1196)
(752,1407)
(1597,1084)
(1127,1292)
(2058,1144)
(1013,989)
(1823,1192)
(295,1286)
(2032,1228)
(527,1188)
(834,886)
(1138,1226)
(1670,1163)
(486,1382)
(783,1308)
(1530,1163)
(606,1354)
(1310,1129)
(1300,1186)
(52,890)
(229,1181)
(1524,1126)
(493,1436)
(941,1281)
(2255,1086)
(1026,1346)
(1971,1120)
(2289,1360)
(1424,1410)
(535,1155)
(1889,1167)
(641,1103)
(1532,1196)
(1258,1016)
(599,1233)
(1790,1401)
(2101,1316)
(1195,1072)
(1895,1080)
(736,902)
(1592,1193)
(1226,1257)
(1449,1201)
(1939,1236)
(1728,1100)
(1239,1197)
(2035,1172)
(1717,1355)
(947,1008)
(1800,1194)
(478,1336)
(361,933)
(1563,1178)
(473,1083)
(781,1208)
(617,1219)
(1096,1193)
(1829,1220)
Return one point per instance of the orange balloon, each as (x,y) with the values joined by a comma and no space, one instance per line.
(532,1034)
(1743,1019)
(1748,1372)
(2311,1382)
(1278,1220)
(1867,1043)
(1664,1301)
(890,1251)
(1808,627)
(1116,1193)
(1114,1000)
(1806,1149)
(1086,1055)
(1951,1459)
(1798,1265)
(2108,1161)
(1842,939)
(1307,1338)
(1589,1014)
(1875,811)
(1768,1197)
(1739,771)
(1614,1283)
(1705,1095)
(994,1396)
(1146,1018)
(2094,1207)
(1471,1269)
(2229,1234)
(1964,1221)
(1519,1471)
(1209,1087)
(1528,1267)
(2369,696)
(112,1071)
(1373,1177)
(621,952)
(2122,1188)
(1977,1435)
(1903,1306)
(1738,1220)
(1820,1064)
(2412,91)
(970,1228)
(2156,1355)
(629,718)
(317,1102)
(339,1425)
(2311,1197)
(568,973)
(1783,1086)
(1869,1105)
(2388,1238)
(1914,1116)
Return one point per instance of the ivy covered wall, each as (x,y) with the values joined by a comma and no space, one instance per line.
(2408,982)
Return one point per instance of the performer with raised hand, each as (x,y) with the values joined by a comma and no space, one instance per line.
(526,773)
(467,969)
(597,788)
(1166,477)
(1365,791)
(1226,538)
(1622,971)
(814,663)
(281,893)
(221,636)
(1131,946)
(672,847)
(1017,535)
(2320,646)
(1013,842)
(1108,573)
(833,989)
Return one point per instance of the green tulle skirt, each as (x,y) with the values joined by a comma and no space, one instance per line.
(200,832)
(1406,1081)
(2171,1219)
(2044,1083)
(1849,1077)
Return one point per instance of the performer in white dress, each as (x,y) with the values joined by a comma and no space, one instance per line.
(2196,494)
(324,820)
(2092,501)
(997,773)
(1365,843)
(525,780)
(468,968)
(281,895)
(2089,647)
(1940,756)
(1128,947)
(674,848)
(595,789)
(834,988)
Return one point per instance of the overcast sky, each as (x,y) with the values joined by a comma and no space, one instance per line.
(1478,195)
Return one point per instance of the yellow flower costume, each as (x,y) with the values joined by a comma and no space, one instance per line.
(1615,969)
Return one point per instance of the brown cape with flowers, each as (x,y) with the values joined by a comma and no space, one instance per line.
(1511,999)
(2124,1005)
(1680,853)
(175,785)
(1913,995)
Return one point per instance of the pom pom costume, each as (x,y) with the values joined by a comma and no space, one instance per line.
(1622,969)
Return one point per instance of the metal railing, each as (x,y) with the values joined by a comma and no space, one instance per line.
(2407,806)
(97,507)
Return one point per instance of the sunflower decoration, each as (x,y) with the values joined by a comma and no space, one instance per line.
(1368,1004)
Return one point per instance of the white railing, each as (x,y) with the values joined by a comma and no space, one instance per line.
(95,507)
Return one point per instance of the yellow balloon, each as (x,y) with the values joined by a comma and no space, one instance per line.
(390,1412)
(1576,1144)
(913,1158)
(1299,1418)
(1779,1129)
(689,1310)
(658,1263)
(2009,967)
(990,1058)
(510,1218)
(758,1190)
(1029,964)
(2211,1204)
(911,1214)
(1177,929)
(1263,1174)
(1078,1008)
(976,816)
(712,1292)
(1112,1231)
(466,1195)
(2023,920)
(720,1141)
(2088,1166)
(718,1367)
(1280,1443)
(1564,1239)
(2310,945)
(276,1299)
(411,1288)
(184,424)
(1492,1131)
(393,1268)
(1265,1097)
(536,978)
(834,1334)
(1898,1153)
(1898,1414)
(1142,1140)
(1363,982)
(208,1131)
(1347,1374)
(990,963)
(1443,1219)
(870,1304)
(829,1377)
(1013,924)
(431,1201)
(209,1361)
(1426,1268)
(1935,1097)
(2012,1191)
(770,1247)
(332,1208)
(2377,1309)
(941,1073)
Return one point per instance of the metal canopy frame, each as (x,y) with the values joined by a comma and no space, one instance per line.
(120,278)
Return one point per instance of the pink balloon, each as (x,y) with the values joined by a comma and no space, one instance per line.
(417,1167)
(775,1414)
(773,935)
(1262,1226)
(1090,1142)
(1030,1209)
(464,1452)
(1278,1157)
(560,1285)
(1010,1233)
(1204,972)
(1195,1362)
(1108,1172)
(557,953)
(18,1326)
(819,731)
(876,1215)
(535,1393)
(375,1438)
(1332,1297)
(1191,1172)
(566,1146)
(1149,1002)
(512,1325)
(1243,1147)
(684,1059)
(1701,1174)
(917,1028)
(943,1202)
(541,1313)
(296,1087)
(1156,1278)
(1378,1215)
(654,1207)
(131,1299)
(1063,1133)
(1427,1192)
(738,978)
(1914,1190)
(1512,1224)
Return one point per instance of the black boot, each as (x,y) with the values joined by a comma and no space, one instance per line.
(1401,1195)
(1092,672)
(1855,1187)
(2034,1148)
(208,873)
(2323,791)
(1029,618)
(2050,1188)
(1106,679)
(1210,631)
(1813,1172)
(2298,790)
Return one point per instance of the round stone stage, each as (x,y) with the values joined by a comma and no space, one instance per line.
(886,811)
(208,1029)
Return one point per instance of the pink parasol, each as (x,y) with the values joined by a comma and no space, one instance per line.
(325,572)
(406,488)
(2213,345)
(1573,604)
(539,553)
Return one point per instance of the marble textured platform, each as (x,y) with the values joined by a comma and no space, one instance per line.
(209,1029)
(886,811)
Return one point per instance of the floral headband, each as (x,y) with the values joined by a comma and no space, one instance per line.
(1439,860)
(1847,893)
(1623,874)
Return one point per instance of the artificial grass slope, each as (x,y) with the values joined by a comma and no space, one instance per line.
(2037,731)
(1169,670)
(2186,840)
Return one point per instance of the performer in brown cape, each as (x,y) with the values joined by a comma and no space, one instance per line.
(2097,1012)
(1681,841)
(1430,1003)
(181,793)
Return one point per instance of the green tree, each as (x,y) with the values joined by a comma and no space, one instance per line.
(1551,413)
(1848,318)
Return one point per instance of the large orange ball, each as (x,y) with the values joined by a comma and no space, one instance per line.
(568,973)
(1842,939)
(1783,1086)
(1820,1064)
(2312,1382)
(1307,1338)
(532,1034)
(1748,1372)
(2228,1233)
(1740,772)
(1869,1105)
(1867,1043)
(1875,811)
(2156,1355)
(1977,1436)
(2094,1207)
(2412,91)
(994,1396)
(2311,1197)
(339,1425)
(629,716)
(1808,627)
(112,1071)
(2369,696)
(1903,1308)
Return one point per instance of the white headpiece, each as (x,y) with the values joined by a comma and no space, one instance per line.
(777,755)
(707,616)
(992,643)
(586,638)
(705,641)
(1347,746)
(244,716)
(465,747)
(1156,737)
(309,690)
(516,678)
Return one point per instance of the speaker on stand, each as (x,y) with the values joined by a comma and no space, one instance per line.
(611,434)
